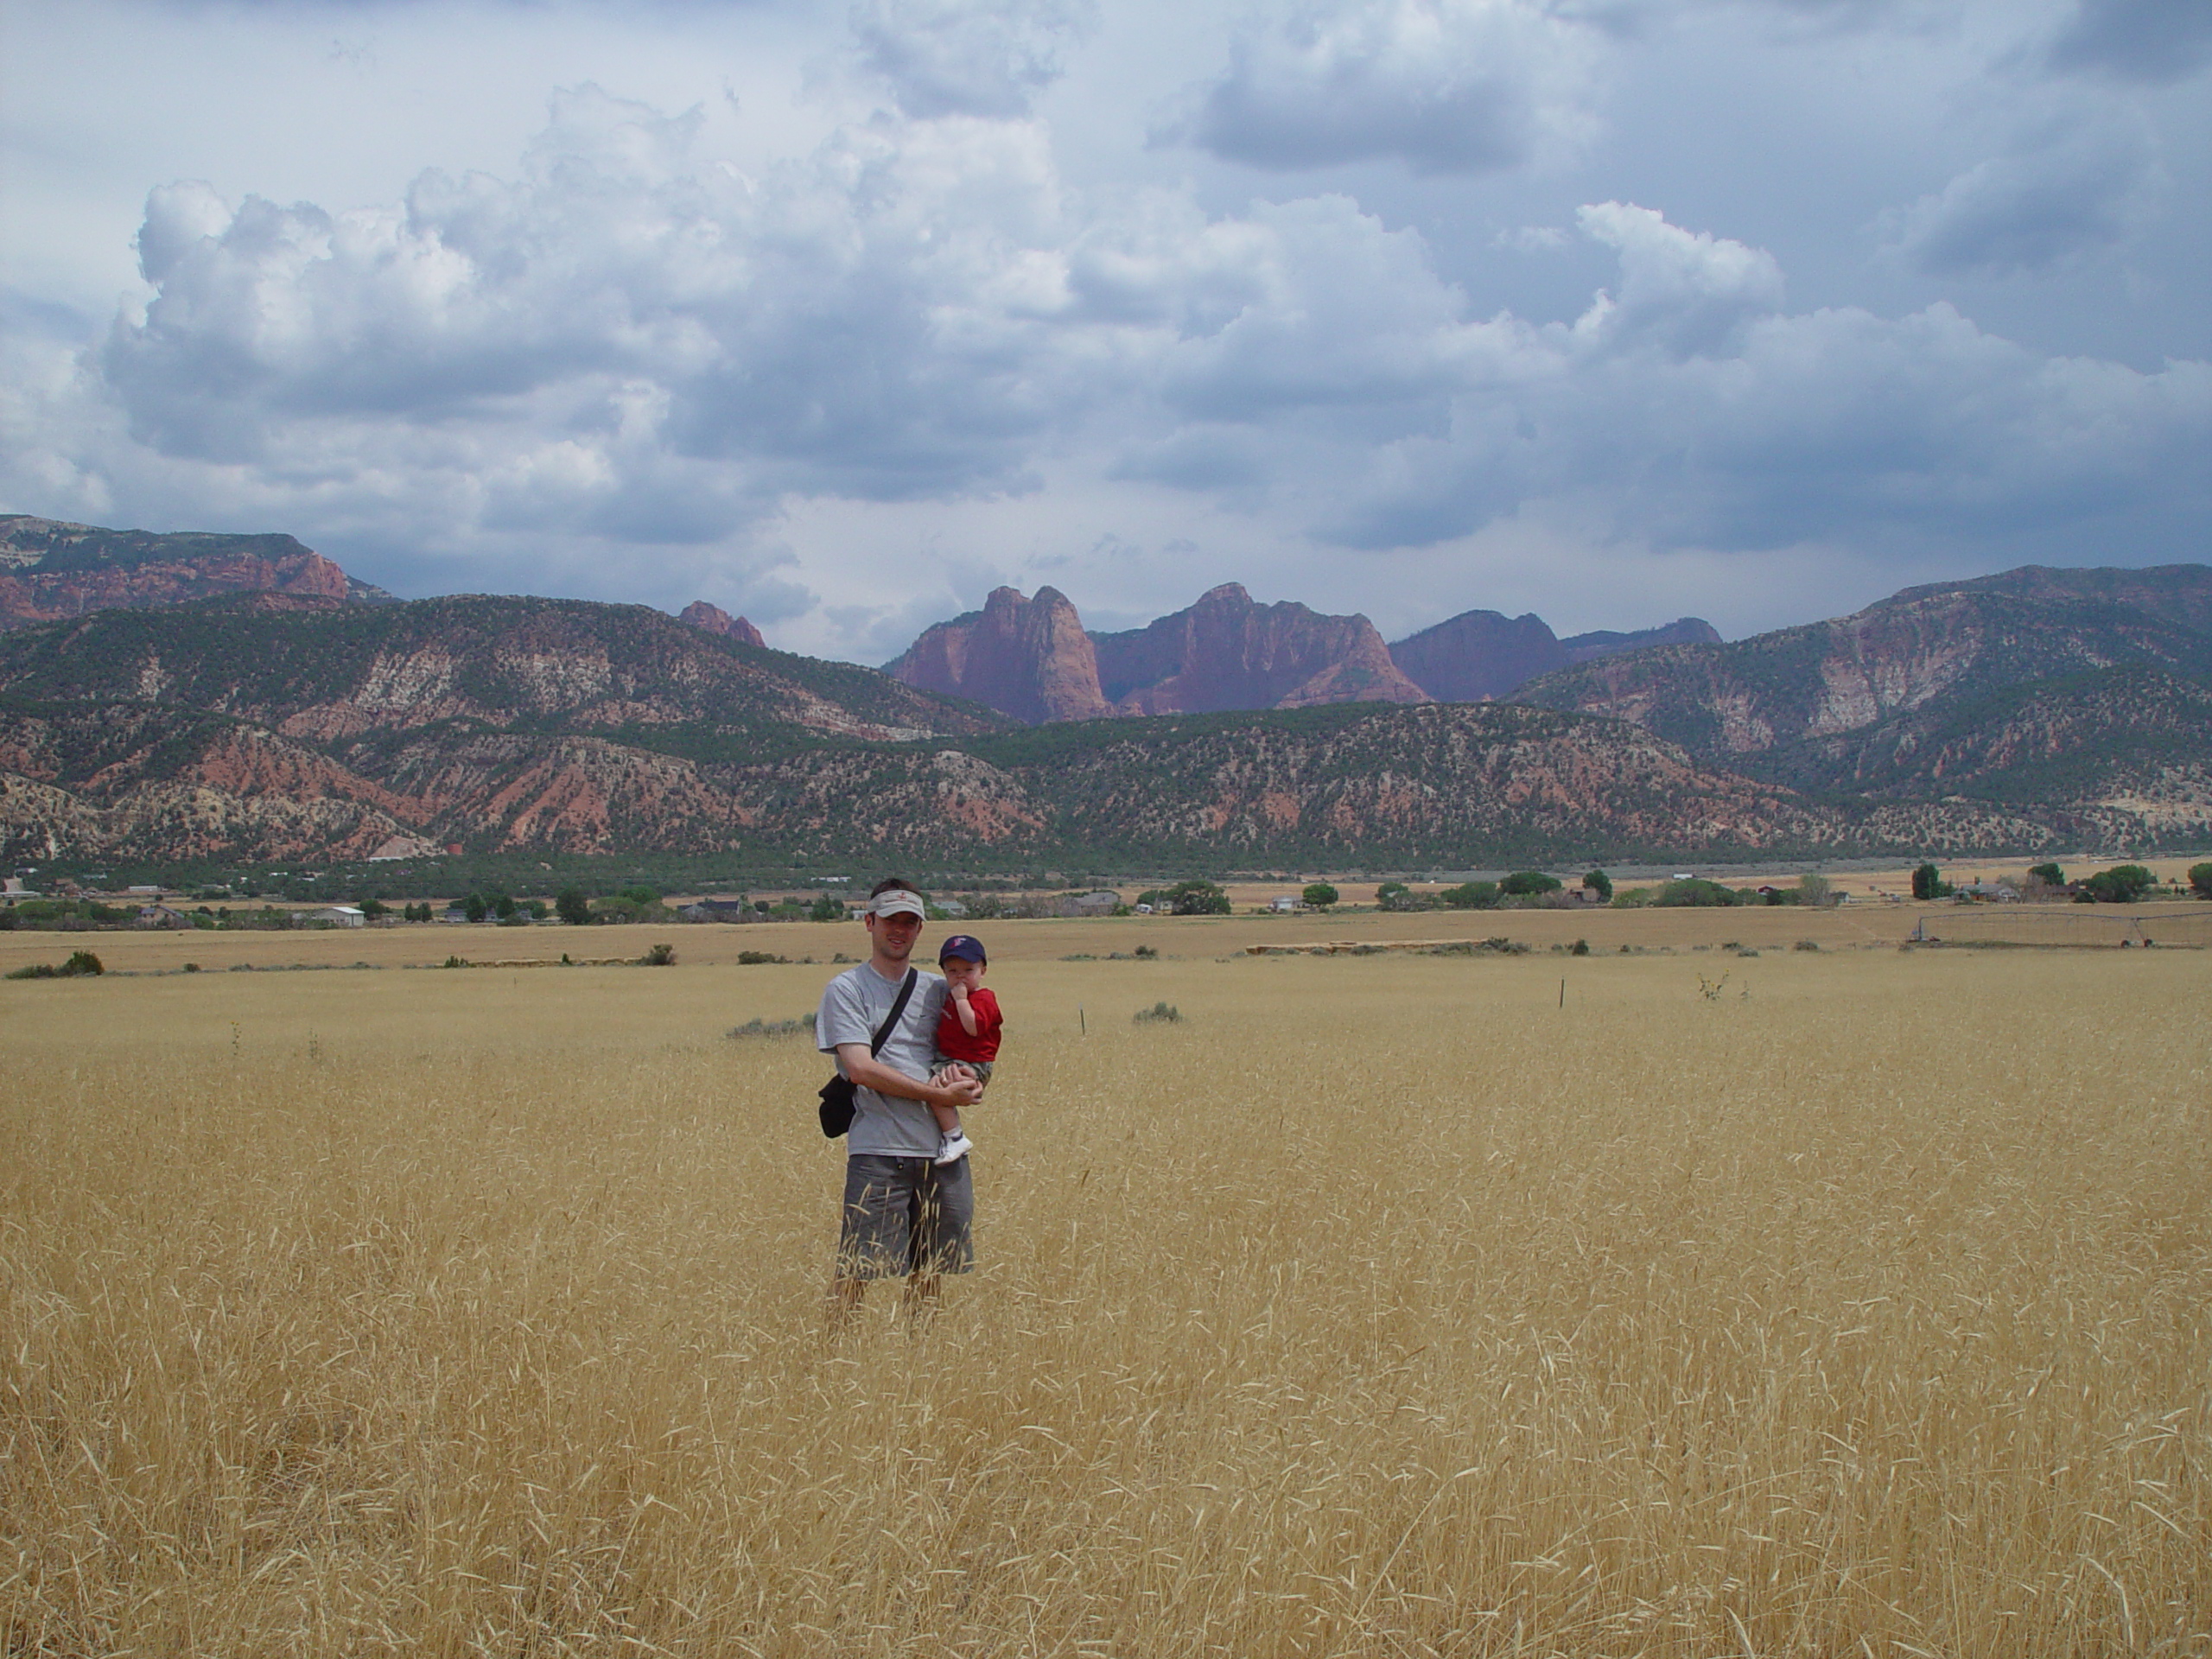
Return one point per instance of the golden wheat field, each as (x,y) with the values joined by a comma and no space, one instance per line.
(1382,1305)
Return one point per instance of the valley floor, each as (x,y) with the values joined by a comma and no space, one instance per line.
(1380,1305)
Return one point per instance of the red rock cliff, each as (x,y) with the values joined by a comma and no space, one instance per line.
(1227,652)
(51,570)
(1027,658)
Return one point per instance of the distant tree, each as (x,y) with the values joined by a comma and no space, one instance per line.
(2123,884)
(503,907)
(1528,884)
(1813,889)
(2050,874)
(1320,895)
(1601,884)
(1928,882)
(1695,893)
(827,908)
(1396,895)
(373,908)
(1470,895)
(475,907)
(1196,899)
(572,907)
(641,895)
(2200,880)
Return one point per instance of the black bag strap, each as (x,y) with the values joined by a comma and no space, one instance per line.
(898,1006)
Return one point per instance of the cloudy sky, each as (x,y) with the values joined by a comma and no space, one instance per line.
(841,314)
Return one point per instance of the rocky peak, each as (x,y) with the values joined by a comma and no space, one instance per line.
(1477,655)
(712,618)
(1226,652)
(1027,658)
(1683,631)
(1482,654)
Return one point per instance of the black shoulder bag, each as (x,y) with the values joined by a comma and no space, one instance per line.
(837,1109)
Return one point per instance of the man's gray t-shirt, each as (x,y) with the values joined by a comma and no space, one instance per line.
(853,1006)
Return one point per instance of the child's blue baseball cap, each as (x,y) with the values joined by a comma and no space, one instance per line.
(966,946)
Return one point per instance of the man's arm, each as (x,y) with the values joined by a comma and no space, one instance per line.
(869,1072)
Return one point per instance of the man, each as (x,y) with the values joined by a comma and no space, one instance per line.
(904,1212)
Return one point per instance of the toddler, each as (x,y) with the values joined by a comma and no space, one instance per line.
(966,1033)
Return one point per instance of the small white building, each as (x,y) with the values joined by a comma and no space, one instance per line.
(1283,903)
(339,915)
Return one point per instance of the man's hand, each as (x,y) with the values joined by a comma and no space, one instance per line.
(865,1070)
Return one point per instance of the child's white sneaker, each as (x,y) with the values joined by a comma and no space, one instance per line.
(951,1149)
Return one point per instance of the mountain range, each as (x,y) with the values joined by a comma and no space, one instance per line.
(303,716)
(1031,657)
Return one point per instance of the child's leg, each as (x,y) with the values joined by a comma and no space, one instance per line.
(948,1117)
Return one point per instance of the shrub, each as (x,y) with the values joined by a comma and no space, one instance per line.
(658,955)
(1581,948)
(755,958)
(1146,953)
(1528,884)
(1162,1013)
(2200,880)
(1320,895)
(2123,884)
(801,1026)
(1805,945)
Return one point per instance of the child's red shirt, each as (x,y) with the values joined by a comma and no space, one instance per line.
(952,1038)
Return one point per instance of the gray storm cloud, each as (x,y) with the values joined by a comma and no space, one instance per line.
(1444,86)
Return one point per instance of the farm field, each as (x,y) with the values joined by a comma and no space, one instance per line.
(1383,1305)
(1850,926)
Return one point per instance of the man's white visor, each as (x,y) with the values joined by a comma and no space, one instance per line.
(897,902)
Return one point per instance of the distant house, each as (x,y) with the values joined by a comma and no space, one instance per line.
(1283,903)
(951,909)
(1101,902)
(715,909)
(160,916)
(339,915)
